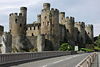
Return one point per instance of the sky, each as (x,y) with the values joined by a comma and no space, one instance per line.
(87,11)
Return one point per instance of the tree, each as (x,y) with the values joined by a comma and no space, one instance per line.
(65,47)
(97,42)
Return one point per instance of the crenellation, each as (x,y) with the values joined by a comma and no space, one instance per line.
(81,35)
(70,19)
(46,6)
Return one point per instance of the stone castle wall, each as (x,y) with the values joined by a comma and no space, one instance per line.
(17,22)
(33,29)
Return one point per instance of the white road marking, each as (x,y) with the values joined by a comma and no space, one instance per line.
(59,61)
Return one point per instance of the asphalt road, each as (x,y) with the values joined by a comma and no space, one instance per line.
(63,61)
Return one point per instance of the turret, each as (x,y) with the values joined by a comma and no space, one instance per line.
(46,6)
(69,24)
(50,24)
(23,10)
(62,17)
(81,35)
(17,22)
(70,19)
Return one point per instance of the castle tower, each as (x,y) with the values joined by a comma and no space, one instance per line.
(69,24)
(62,17)
(81,32)
(17,22)
(50,24)
(89,33)
(1,30)
(23,10)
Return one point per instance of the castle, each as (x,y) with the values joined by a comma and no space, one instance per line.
(50,30)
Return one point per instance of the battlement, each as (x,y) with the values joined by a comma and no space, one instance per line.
(70,19)
(54,11)
(34,26)
(15,14)
(79,23)
(46,6)
(62,14)
(39,15)
(23,8)
(89,26)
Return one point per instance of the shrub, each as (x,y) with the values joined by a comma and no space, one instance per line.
(65,47)
(96,48)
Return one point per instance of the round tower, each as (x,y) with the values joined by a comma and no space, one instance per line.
(62,17)
(23,10)
(46,6)
(17,22)
(1,30)
(89,33)
(69,24)
(50,25)
(81,29)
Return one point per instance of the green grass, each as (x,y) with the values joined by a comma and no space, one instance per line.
(97,48)
(86,50)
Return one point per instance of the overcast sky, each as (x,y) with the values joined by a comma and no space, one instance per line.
(83,10)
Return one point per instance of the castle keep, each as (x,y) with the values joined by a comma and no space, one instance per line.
(47,33)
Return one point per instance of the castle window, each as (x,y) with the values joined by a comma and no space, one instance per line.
(30,28)
(67,30)
(20,25)
(78,32)
(34,28)
(82,27)
(62,18)
(43,23)
(16,20)
(88,33)
(47,23)
(10,30)
(45,17)
(38,27)
(32,34)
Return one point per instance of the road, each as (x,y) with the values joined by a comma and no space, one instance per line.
(63,61)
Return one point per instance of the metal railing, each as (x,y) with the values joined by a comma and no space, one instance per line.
(87,62)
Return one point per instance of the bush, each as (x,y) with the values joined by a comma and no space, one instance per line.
(65,47)
(97,42)
(96,48)
(86,49)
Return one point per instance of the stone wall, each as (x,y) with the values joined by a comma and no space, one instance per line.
(33,29)
(17,22)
